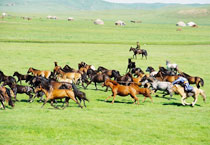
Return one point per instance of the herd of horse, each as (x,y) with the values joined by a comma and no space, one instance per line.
(62,83)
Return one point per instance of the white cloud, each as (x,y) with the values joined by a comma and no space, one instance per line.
(161,1)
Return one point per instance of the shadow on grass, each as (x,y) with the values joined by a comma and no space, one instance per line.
(167,98)
(116,101)
(179,104)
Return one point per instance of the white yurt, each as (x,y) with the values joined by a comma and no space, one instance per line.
(181,23)
(99,22)
(120,23)
(191,24)
(53,17)
(4,14)
(49,17)
(70,19)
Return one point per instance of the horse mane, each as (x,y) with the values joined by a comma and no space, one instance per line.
(34,68)
(186,74)
(113,82)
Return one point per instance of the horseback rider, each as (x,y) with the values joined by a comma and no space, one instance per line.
(184,83)
(137,45)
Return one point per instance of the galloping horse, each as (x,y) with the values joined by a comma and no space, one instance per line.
(52,94)
(6,95)
(143,52)
(144,91)
(193,80)
(72,76)
(35,72)
(120,90)
(180,90)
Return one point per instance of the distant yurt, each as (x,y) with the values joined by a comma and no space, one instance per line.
(53,17)
(4,14)
(119,23)
(180,23)
(99,22)
(70,19)
(49,17)
(191,24)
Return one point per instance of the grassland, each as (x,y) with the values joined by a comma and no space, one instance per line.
(38,43)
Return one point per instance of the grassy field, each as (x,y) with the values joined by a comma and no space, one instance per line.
(164,122)
(84,31)
(40,42)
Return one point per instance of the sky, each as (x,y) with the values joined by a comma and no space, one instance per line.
(161,1)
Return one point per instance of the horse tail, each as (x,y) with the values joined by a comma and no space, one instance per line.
(202,82)
(202,93)
(146,54)
(10,102)
(84,97)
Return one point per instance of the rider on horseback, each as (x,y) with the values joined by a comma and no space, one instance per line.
(184,83)
(137,45)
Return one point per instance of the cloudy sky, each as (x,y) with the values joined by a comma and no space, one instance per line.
(162,1)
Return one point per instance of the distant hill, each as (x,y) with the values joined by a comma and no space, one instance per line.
(62,6)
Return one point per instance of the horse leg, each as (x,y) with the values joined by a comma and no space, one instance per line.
(74,99)
(108,97)
(96,86)
(106,89)
(195,100)
(113,98)
(2,105)
(44,102)
(133,95)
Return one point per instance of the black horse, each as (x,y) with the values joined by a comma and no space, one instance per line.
(6,79)
(127,79)
(79,94)
(131,65)
(22,77)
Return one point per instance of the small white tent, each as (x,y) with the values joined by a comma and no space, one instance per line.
(4,14)
(70,19)
(120,23)
(191,24)
(99,22)
(180,23)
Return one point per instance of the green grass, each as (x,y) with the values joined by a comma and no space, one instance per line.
(84,31)
(40,42)
(164,122)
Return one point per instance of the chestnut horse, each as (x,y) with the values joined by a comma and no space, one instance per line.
(35,72)
(144,91)
(180,90)
(72,76)
(120,90)
(52,94)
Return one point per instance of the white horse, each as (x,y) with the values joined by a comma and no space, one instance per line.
(171,66)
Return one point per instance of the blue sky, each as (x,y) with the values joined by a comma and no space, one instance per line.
(162,1)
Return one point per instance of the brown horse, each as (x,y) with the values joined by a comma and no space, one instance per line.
(6,95)
(168,78)
(143,52)
(121,90)
(72,76)
(193,80)
(52,94)
(144,91)
(43,73)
